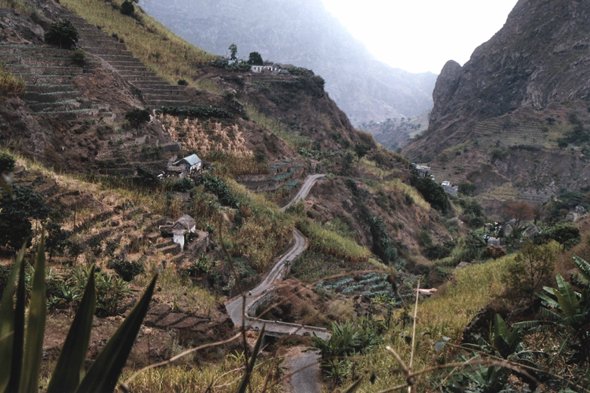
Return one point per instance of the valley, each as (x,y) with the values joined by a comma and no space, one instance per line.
(205,225)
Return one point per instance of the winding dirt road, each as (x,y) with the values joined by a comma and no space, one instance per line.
(305,189)
(307,379)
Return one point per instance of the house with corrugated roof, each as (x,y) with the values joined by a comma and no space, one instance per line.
(187,165)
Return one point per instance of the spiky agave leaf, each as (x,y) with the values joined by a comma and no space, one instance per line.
(33,353)
(104,372)
(18,340)
(7,314)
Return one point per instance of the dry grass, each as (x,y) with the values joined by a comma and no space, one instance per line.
(224,377)
(399,185)
(168,55)
(206,136)
(18,5)
(330,243)
(9,84)
(443,316)
(294,140)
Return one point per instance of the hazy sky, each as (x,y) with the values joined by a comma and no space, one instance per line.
(421,35)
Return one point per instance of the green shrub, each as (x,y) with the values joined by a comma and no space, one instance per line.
(127,270)
(183,185)
(6,163)
(79,56)
(182,82)
(382,244)
(15,213)
(467,188)
(218,187)
(204,111)
(57,239)
(531,270)
(432,192)
(438,251)
(137,117)
(567,235)
(63,34)
(127,8)
(299,71)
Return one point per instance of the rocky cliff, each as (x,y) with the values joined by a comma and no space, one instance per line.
(527,87)
(305,34)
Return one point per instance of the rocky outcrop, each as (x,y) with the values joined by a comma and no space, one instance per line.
(521,88)
(539,57)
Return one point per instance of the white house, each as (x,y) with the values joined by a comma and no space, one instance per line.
(264,68)
(188,164)
(185,224)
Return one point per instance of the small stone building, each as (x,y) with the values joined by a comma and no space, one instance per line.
(187,165)
(423,171)
(493,241)
(182,226)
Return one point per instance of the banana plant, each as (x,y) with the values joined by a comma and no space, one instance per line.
(567,311)
(584,273)
(21,350)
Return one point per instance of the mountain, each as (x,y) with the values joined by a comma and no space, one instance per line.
(514,119)
(305,34)
(396,133)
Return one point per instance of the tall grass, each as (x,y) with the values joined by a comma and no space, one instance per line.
(10,84)
(265,231)
(329,243)
(224,375)
(293,139)
(399,185)
(19,6)
(168,55)
(446,315)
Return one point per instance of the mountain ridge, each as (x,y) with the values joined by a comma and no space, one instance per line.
(524,89)
(363,87)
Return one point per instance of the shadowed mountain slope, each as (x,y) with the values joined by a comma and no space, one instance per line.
(305,34)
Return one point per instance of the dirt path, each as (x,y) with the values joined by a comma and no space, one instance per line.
(306,380)
(305,189)
(304,365)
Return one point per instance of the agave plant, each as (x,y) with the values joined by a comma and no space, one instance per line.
(21,350)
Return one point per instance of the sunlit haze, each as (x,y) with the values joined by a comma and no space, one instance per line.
(421,35)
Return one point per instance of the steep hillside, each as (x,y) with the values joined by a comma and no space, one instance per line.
(302,33)
(515,116)
(268,131)
(396,133)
